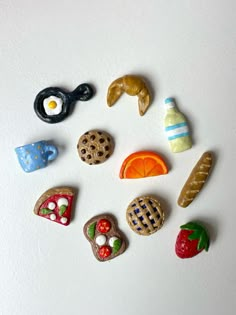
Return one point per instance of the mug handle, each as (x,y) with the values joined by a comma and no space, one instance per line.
(53,152)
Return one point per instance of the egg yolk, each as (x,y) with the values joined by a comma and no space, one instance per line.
(52,104)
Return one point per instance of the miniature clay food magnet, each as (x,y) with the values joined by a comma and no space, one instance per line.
(53,104)
(36,155)
(145,215)
(106,240)
(196,180)
(176,128)
(95,147)
(191,240)
(143,164)
(56,205)
(132,85)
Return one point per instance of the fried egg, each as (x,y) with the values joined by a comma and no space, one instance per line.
(52,105)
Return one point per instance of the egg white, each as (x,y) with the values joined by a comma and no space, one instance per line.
(52,111)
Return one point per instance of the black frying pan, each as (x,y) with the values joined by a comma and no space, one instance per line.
(82,93)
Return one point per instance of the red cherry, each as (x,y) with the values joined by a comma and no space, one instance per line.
(104,251)
(104,226)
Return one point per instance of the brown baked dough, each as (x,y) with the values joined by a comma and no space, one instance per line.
(132,85)
(113,232)
(196,180)
(95,147)
(145,215)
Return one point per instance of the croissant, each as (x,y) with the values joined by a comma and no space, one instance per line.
(132,85)
(196,180)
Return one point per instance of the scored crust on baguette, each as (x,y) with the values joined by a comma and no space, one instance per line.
(196,180)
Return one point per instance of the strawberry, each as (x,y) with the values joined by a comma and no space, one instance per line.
(191,240)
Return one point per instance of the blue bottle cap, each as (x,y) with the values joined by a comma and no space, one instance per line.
(169,100)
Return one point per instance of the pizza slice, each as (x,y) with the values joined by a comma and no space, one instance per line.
(56,205)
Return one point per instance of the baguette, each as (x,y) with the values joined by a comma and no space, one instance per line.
(196,180)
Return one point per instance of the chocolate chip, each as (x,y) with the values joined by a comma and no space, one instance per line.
(92,147)
(89,156)
(82,158)
(108,139)
(107,156)
(107,148)
(92,137)
(84,141)
(86,133)
(83,151)
(99,132)
(101,140)
(96,162)
(100,153)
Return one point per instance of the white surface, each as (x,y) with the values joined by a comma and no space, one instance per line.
(184,49)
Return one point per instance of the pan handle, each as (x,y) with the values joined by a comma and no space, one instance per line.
(83,92)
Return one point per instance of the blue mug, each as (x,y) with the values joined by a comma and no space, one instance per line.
(36,155)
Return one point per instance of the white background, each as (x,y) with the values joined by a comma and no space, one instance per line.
(184,49)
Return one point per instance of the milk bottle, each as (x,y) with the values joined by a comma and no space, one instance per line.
(176,128)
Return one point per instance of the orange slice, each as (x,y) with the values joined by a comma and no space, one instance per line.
(143,164)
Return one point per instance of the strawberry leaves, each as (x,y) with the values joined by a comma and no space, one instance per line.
(204,242)
(198,233)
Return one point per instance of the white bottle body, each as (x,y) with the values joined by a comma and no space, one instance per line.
(176,128)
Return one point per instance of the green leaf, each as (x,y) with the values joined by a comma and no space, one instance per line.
(203,241)
(116,246)
(45,211)
(194,236)
(62,210)
(91,230)
(199,233)
(191,226)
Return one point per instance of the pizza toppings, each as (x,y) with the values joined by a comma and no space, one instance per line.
(106,240)
(116,246)
(112,240)
(64,220)
(62,210)
(62,202)
(53,217)
(115,243)
(104,251)
(56,205)
(101,240)
(104,226)
(45,211)
(51,205)
(91,230)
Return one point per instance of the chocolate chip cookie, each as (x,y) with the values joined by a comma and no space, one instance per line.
(95,147)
